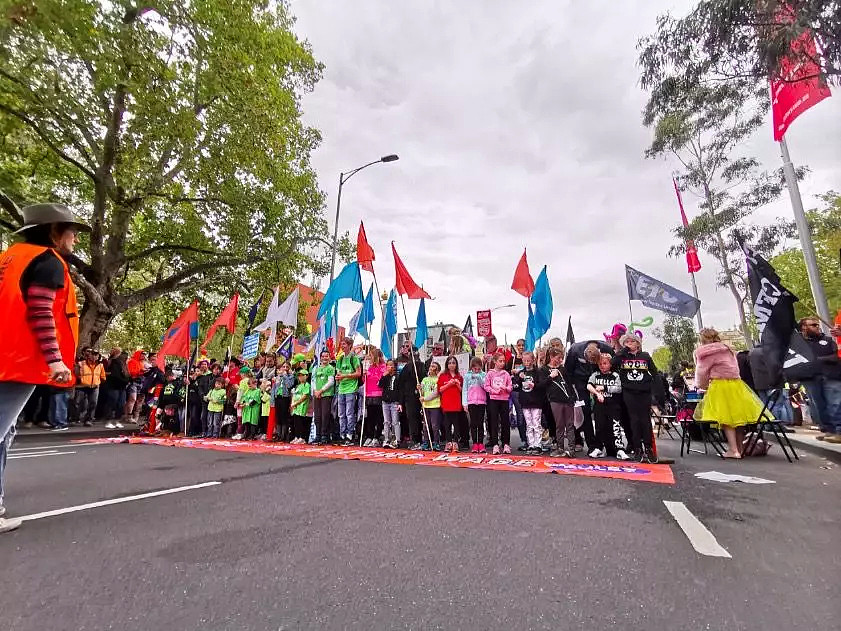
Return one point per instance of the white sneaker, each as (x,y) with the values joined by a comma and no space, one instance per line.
(374,443)
(597,453)
(236,437)
(118,425)
(7,525)
(621,455)
(110,425)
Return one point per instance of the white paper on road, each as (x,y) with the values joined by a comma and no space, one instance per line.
(718,476)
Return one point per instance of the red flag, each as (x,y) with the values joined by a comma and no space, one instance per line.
(403,281)
(799,85)
(226,320)
(523,283)
(693,264)
(364,252)
(176,340)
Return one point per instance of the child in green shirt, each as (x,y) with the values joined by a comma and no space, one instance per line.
(431,401)
(250,400)
(215,408)
(265,406)
(322,398)
(300,408)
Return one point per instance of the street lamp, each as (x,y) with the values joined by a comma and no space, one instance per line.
(344,177)
(502,307)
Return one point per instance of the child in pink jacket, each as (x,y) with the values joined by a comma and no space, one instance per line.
(498,386)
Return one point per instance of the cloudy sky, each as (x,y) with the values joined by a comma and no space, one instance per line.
(517,125)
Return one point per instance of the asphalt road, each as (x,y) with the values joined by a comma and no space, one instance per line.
(288,543)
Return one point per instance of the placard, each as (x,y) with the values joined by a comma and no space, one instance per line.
(250,345)
(483,323)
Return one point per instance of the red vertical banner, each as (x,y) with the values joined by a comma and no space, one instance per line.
(693,264)
(483,323)
(799,85)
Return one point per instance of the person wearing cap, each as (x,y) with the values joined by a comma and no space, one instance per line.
(300,408)
(40,316)
(89,376)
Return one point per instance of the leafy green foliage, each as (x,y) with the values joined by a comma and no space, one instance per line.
(739,40)
(175,129)
(679,338)
(705,127)
(825,224)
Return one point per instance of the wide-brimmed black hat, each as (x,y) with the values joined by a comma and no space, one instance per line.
(41,214)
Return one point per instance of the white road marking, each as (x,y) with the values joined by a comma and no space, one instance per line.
(118,500)
(56,446)
(40,454)
(701,539)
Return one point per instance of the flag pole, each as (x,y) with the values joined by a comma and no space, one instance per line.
(417,375)
(631,312)
(695,293)
(803,230)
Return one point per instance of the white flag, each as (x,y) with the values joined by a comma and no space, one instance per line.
(287,313)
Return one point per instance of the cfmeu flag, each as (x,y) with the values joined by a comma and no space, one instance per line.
(693,264)
(403,281)
(226,320)
(348,284)
(176,340)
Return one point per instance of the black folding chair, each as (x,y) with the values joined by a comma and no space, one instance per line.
(666,419)
(776,427)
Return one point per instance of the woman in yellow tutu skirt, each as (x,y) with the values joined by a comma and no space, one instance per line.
(728,400)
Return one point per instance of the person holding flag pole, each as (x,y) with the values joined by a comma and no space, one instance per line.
(404,284)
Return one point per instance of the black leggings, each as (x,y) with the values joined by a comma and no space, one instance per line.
(373,418)
(639,417)
(499,427)
(452,421)
(249,431)
(283,418)
(477,423)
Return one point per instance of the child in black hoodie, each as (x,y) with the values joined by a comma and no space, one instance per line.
(638,374)
(391,405)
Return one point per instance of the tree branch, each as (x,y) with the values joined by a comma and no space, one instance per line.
(11,207)
(50,143)
(166,248)
(173,282)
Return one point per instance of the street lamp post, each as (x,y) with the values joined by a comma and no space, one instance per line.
(502,307)
(344,177)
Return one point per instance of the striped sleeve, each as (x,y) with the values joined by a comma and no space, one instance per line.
(39,315)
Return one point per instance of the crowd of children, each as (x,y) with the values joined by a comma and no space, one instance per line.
(358,397)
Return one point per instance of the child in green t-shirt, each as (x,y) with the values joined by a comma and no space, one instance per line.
(250,400)
(299,407)
(215,408)
(322,398)
(431,401)
(265,406)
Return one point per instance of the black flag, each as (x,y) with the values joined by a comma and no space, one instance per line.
(570,335)
(252,313)
(658,295)
(468,327)
(773,305)
(443,337)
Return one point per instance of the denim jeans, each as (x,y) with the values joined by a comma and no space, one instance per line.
(781,409)
(58,408)
(347,413)
(13,396)
(825,403)
(391,422)
(86,399)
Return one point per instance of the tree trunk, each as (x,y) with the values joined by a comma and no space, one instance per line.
(93,322)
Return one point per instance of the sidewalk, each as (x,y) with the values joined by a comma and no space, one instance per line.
(806,440)
(76,432)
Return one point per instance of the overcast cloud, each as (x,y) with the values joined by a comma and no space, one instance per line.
(517,125)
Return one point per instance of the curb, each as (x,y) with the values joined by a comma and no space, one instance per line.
(815,450)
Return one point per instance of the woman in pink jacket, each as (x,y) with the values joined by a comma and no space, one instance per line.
(728,400)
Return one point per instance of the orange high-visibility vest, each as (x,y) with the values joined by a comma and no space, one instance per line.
(90,377)
(21,359)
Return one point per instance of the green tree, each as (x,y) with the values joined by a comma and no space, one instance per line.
(825,225)
(662,357)
(176,130)
(706,130)
(678,334)
(741,40)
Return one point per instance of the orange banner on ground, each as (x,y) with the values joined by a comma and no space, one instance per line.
(659,473)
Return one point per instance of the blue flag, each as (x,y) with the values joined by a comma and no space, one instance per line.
(541,298)
(285,348)
(390,326)
(252,312)
(531,327)
(421,332)
(367,315)
(348,284)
